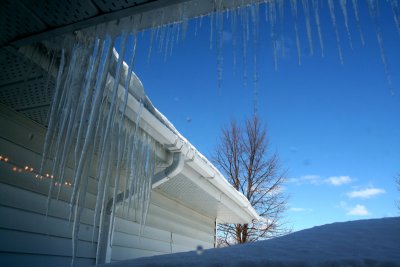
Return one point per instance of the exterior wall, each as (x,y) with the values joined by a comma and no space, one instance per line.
(29,237)
(170,227)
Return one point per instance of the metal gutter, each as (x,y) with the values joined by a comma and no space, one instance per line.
(173,141)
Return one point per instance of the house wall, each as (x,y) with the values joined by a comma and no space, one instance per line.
(29,237)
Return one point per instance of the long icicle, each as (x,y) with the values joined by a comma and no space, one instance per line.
(296,29)
(373,9)
(343,6)
(53,110)
(318,23)
(356,15)
(333,18)
(99,89)
(396,13)
(306,11)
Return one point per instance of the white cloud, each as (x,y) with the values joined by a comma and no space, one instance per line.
(317,180)
(338,180)
(306,179)
(294,209)
(366,193)
(358,210)
(297,209)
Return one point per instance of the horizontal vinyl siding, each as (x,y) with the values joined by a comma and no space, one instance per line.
(170,227)
(30,238)
(20,259)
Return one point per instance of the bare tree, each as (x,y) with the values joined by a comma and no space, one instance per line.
(244,156)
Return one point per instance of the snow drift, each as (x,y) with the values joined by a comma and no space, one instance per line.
(374,242)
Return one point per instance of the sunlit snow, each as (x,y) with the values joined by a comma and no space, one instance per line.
(374,242)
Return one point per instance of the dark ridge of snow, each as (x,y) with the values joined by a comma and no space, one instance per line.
(374,242)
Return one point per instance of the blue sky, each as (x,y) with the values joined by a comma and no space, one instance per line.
(336,127)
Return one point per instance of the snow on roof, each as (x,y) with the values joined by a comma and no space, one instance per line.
(374,242)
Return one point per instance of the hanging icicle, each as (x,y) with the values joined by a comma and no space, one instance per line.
(343,7)
(293,4)
(315,5)
(88,128)
(356,15)
(373,10)
(333,18)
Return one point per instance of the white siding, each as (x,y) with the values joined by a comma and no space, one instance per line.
(170,227)
(29,238)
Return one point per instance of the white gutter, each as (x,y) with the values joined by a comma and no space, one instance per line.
(171,171)
(173,141)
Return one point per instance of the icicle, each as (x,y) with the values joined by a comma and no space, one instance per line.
(70,132)
(196,26)
(306,11)
(80,205)
(184,19)
(87,98)
(355,8)
(129,77)
(244,20)
(281,8)
(254,11)
(167,42)
(211,29)
(129,170)
(149,172)
(99,89)
(373,9)
(65,120)
(343,6)
(219,39)
(52,114)
(177,33)
(234,38)
(333,18)
(293,4)
(272,14)
(173,34)
(318,23)
(152,36)
(135,164)
(49,71)
(162,38)
(103,191)
(394,4)
(121,137)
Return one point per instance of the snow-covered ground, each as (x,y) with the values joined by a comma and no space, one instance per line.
(374,242)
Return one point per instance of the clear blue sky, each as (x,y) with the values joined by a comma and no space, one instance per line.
(336,127)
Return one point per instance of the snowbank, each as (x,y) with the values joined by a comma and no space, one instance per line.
(374,242)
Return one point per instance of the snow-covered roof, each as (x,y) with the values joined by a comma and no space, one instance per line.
(374,242)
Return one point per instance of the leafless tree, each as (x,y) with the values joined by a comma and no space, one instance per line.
(243,155)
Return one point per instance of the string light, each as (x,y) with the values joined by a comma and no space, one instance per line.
(29,169)
(3,158)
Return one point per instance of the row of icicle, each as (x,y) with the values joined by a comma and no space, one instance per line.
(89,132)
(245,19)
(87,128)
